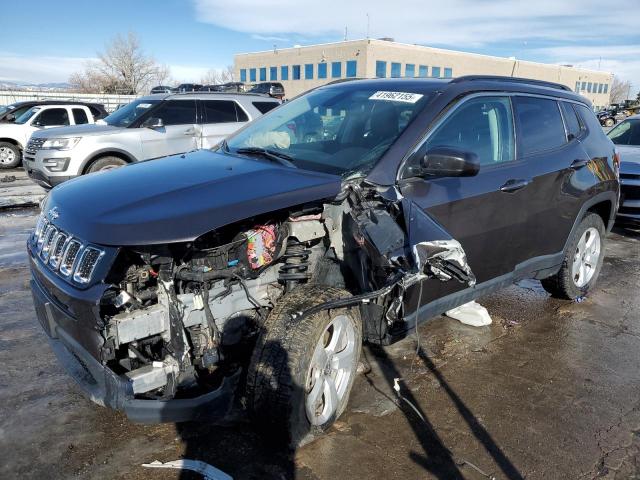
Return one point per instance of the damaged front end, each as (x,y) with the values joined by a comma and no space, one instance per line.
(174,325)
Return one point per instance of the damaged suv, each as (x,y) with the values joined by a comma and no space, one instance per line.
(247,278)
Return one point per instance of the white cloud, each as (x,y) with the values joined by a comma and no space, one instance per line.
(39,69)
(267,38)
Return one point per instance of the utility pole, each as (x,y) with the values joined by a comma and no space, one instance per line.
(367,26)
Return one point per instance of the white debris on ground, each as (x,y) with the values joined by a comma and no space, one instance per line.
(207,471)
(471,313)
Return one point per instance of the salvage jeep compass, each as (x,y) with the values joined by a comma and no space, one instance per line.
(249,276)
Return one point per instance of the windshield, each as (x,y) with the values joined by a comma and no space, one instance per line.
(6,108)
(125,116)
(334,130)
(24,118)
(626,133)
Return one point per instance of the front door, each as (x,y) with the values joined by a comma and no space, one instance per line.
(177,135)
(486,213)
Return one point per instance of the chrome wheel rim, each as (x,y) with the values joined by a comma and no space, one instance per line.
(331,369)
(585,259)
(7,155)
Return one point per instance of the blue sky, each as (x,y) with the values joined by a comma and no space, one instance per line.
(50,39)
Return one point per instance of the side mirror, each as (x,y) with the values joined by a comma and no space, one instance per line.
(153,123)
(449,162)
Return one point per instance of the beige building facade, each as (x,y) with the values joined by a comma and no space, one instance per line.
(301,68)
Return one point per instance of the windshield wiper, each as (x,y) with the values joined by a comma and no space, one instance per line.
(281,158)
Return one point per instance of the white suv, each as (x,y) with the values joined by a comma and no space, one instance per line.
(149,127)
(14,136)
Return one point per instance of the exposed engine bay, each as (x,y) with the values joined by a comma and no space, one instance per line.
(180,318)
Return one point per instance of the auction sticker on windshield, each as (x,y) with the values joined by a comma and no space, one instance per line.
(405,97)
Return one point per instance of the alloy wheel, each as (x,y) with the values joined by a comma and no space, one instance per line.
(585,259)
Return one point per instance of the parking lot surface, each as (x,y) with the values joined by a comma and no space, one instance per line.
(550,390)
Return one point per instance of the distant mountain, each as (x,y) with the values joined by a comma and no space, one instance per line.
(50,86)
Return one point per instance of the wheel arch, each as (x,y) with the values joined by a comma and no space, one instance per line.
(12,141)
(107,152)
(601,204)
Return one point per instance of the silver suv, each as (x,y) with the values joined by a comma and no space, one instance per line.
(149,127)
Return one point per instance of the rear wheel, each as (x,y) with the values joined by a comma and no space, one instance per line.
(106,163)
(609,122)
(302,371)
(9,155)
(582,260)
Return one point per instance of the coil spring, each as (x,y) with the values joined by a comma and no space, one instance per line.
(295,265)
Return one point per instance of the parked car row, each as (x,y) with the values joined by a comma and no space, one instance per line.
(247,276)
(273,89)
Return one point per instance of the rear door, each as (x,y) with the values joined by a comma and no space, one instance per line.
(484,212)
(220,118)
(178,133)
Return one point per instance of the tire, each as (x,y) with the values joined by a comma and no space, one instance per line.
(609,122)
(283,372)
(106,163)
(10,156)
(585,249)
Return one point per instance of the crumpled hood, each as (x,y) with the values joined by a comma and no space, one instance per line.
(76,131)
(629,157)
(179,198)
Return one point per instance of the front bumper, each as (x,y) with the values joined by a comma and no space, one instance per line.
(33,163)
(100,383)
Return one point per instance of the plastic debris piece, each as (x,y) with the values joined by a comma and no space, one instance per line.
(207,471)
(580,299)
(471,313)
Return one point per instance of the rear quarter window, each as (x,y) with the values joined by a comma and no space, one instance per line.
(264,107)
(571,122)
(589,119)
(540,124)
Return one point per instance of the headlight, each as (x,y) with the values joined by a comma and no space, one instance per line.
(61,143)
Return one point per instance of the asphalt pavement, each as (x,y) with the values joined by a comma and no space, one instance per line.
(550,390)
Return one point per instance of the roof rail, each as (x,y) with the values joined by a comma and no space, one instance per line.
(531,81)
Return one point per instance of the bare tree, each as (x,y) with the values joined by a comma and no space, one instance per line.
(122,68)
(619,90)
(216,77)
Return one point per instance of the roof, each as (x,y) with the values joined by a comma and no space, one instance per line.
(206,95)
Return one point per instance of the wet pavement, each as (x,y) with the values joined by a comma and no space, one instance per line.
(550,390)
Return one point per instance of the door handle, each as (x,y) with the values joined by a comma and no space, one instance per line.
(576,164)
(514,184)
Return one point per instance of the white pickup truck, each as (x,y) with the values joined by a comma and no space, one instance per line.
(14,136)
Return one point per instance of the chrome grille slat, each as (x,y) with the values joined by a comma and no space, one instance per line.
(49,239)
(69,257)
(87,264)
(56,249)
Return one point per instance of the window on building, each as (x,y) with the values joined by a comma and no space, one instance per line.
(483,126)
(577,86)
(284,72)
(435,72)
(589,85)
(396,70)
(409,70)
(606,88)
(381,69)
(583,87)
(177,112)
(540,124)
(80,116)
(252,75)
(273,73)
(263,74)
(336,69)
(600,87)
(308,71)
(423,71)
(322,70)
(296,72)
(352,68)
(243,75)
(448,72)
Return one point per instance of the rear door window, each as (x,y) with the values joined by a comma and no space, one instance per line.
(52,117)
(589,119)
(223,111)
(264,107)
(176,112)
(541,126)
(571,122)
(482,125)
(80,116)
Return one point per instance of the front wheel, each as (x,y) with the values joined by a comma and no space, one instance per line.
(609,122)
(302,371)
(582,260)
(9,155)
(106,163)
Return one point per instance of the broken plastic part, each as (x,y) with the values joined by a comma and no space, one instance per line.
(208,472)
(471,313)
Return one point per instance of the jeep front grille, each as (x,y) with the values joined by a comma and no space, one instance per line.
(66,255)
